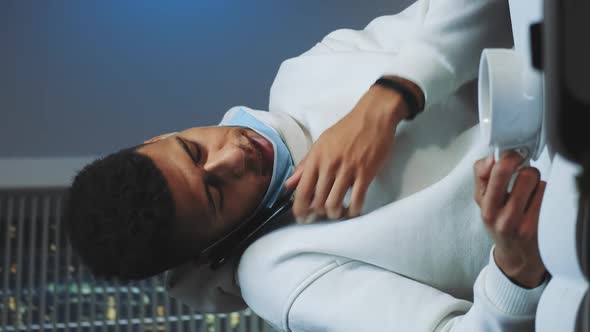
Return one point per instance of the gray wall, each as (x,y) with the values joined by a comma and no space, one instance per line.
(88,77)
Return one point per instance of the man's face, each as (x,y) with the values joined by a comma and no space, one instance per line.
(217,176)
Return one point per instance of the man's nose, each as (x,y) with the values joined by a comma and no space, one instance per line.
(227,162)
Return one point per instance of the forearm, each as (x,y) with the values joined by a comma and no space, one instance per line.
(389,105)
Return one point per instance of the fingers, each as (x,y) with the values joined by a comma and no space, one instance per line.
(334,207)
(310,218)
(330,192)
(323,188)
(534,208)
(482,169)
(321,192)
(511,221)
(305,191)
(496,191)
(531,217)
(529,229)
(357,198)
(524,186)
(294,179)
(514,215)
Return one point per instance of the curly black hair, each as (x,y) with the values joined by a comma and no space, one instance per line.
(119,218)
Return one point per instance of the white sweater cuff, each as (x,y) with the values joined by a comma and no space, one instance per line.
(426,68)
(508,297)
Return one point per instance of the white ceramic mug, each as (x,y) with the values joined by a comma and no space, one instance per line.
(510,103)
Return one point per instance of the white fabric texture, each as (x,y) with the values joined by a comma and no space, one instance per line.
(409,263)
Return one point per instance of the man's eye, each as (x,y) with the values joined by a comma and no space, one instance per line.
(196,153)
(215,183)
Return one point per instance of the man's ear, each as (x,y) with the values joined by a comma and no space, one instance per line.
(157,138)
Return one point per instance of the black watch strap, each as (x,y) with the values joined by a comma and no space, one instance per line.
(407,95)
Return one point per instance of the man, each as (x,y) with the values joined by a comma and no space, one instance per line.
(195,186)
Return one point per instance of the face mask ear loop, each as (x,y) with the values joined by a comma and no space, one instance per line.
(245,234)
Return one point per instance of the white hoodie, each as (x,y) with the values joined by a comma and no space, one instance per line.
(411,261)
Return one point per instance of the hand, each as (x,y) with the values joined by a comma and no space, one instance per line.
(348,154)
(512,218)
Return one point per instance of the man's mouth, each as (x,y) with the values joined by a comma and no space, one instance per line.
(264,152)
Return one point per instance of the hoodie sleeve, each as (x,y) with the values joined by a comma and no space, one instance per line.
(499,305)
(346,295)
(434,43)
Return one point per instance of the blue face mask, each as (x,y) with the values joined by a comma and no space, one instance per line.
(282,166)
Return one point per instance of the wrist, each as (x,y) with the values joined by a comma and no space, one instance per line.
(392,107)
(413,87)
(522,272)
(412,96)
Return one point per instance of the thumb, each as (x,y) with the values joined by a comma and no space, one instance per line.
(482,170)
(293,180)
